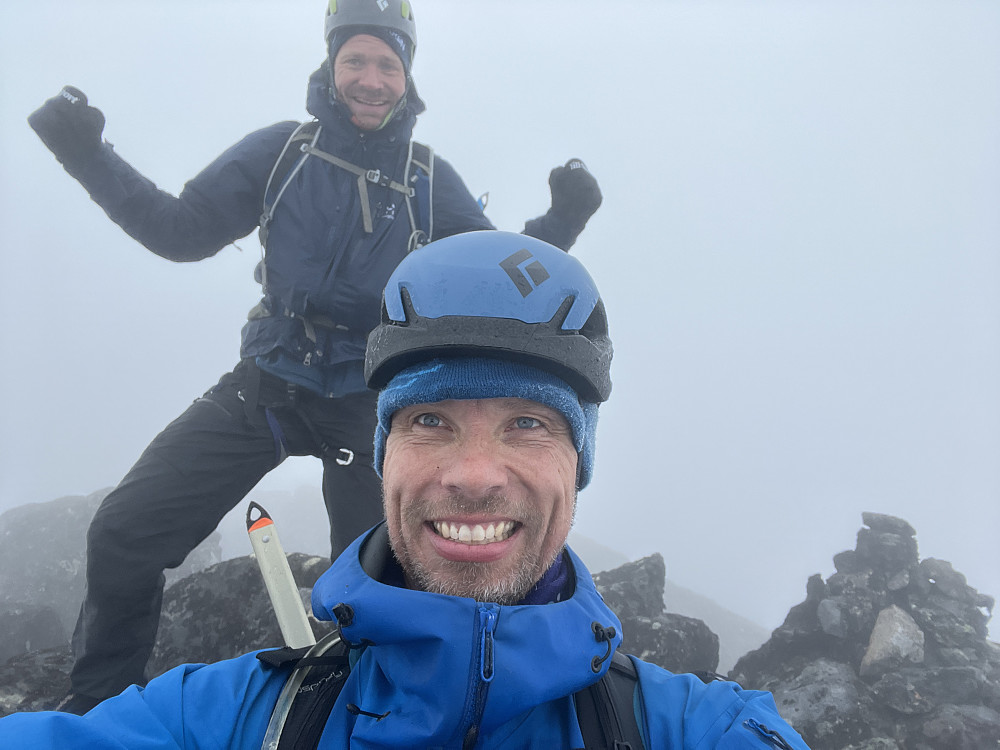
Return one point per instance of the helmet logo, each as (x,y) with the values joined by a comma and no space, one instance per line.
(535,271)
(382,4)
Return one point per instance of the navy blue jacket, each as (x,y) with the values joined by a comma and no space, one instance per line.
(321,263)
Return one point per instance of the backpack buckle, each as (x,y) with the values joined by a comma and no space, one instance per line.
(374,175)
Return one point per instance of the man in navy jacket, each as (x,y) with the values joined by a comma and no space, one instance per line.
(341,214)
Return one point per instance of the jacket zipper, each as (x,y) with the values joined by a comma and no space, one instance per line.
(770,736)
(488,615)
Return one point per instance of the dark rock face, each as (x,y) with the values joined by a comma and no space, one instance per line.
(635,589)
(634,592)
(31,575)
(889,652)
(224,611)
(35,681)
(29,627)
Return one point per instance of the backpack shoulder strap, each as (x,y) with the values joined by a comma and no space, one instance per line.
(305,702)
(605,709)
(289,162)
(420,204)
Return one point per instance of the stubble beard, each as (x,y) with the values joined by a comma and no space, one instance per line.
(479,581)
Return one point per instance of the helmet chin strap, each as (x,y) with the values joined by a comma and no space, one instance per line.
(400,105)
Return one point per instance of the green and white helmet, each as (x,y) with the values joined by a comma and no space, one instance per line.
(392,19)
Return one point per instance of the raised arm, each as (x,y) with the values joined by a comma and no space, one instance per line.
(575,198)
(221,204)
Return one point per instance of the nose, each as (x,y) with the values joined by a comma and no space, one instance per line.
(370,77)
(475,467)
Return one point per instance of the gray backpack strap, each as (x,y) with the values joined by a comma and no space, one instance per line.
(286,166)
(417,186)
(420,202)
(365,176)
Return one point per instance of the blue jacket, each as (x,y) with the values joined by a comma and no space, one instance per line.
(320,260)
(425,665)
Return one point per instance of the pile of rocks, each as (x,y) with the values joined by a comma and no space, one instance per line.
(890,652)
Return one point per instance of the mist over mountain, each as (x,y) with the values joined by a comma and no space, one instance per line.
(797,250)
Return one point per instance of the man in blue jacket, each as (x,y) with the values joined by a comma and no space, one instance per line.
(351,194)
(469,622)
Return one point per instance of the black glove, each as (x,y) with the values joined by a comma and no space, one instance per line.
(69,126)
(575,194)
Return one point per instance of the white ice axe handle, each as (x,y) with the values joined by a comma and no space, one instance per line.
(281,587)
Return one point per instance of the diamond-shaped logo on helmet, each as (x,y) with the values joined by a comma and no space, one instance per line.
(532,275)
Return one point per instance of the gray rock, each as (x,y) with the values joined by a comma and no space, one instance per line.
(35,681)
(876,743)
(826,703)
(961,728)
(899,581)
(674,642)
(887,551)
(881,523)
(635,589)
(831,619)
(225,611)
(917,691)
(29,627)
(895,640)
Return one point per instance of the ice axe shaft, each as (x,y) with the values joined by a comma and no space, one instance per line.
(281,587)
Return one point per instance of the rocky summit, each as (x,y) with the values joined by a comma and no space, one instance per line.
(221,610)
(888,653)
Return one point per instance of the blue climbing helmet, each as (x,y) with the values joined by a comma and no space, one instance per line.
(494,294)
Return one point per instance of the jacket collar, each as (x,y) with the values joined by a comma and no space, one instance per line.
(416,639)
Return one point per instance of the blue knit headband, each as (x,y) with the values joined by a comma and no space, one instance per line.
(479,378)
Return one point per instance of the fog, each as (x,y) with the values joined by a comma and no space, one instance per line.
(799,249)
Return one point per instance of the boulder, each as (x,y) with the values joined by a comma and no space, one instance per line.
(634,589)
(895,640)
(674,642)
(224,611)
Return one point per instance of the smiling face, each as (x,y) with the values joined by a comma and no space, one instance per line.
(479,495)
(369,79)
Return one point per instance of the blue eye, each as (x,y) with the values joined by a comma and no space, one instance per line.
(526,423)
(429,420)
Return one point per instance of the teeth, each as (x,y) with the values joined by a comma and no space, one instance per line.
(477,534)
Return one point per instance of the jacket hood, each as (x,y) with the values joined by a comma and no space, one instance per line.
(425,655)
(322,105)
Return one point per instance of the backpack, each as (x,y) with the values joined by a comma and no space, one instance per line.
(604,710)
(417,185)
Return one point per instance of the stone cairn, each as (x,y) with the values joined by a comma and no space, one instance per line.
(889,653)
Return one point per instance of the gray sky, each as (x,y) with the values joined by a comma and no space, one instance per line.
(799,248)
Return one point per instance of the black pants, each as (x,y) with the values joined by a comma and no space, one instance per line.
(194,472)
